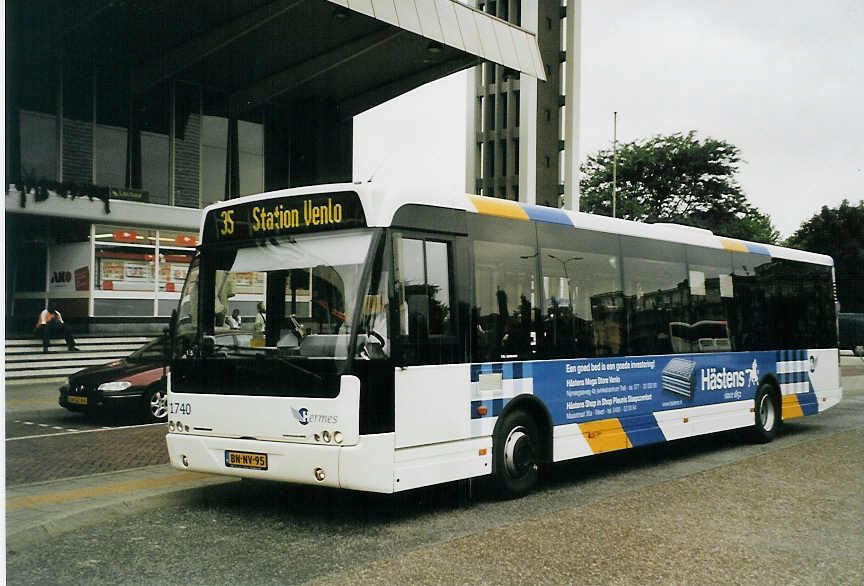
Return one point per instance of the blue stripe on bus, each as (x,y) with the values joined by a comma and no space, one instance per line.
(549,215)
(494,407)
(642,429)
(497,406)
(808,402)
(793,377)
(757,248)
(791,355)
(508,370)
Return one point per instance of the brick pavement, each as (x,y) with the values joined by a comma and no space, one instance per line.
(78,454)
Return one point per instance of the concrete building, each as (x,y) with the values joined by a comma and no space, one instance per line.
(522,143)
(124,119)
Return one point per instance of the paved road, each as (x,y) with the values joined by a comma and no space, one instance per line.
(705,510)
(45,441)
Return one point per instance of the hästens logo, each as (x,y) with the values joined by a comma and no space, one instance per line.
(305,417)
(720,380)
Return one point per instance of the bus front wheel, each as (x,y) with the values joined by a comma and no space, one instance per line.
(515,448)
(767,414)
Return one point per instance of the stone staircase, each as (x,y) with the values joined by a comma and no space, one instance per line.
(25,360)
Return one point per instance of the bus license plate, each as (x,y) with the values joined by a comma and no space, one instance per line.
(76,400)
(245,460)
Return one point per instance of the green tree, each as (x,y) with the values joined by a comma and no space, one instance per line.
(839,233)
(677,178)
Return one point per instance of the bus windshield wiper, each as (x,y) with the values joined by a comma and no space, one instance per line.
(281,359)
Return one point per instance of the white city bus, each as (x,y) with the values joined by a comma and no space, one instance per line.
(409,339)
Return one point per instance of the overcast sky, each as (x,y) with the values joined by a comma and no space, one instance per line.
(783,81)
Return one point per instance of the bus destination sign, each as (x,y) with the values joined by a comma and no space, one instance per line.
(285,216)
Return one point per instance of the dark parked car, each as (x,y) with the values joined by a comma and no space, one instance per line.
(852,332)
(134,383)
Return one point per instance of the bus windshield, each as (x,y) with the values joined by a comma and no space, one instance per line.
(277,318)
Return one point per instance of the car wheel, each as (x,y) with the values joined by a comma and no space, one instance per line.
(155,404)
(767,415)
(515,454)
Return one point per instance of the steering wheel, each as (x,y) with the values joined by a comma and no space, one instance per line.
(377,336)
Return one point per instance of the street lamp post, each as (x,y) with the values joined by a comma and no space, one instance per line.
(614,161)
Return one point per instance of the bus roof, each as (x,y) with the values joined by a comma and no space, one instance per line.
(382,201)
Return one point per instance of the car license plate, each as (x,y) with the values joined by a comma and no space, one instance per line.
(245,460)
(76,400)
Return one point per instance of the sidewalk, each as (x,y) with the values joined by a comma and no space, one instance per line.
(37,511)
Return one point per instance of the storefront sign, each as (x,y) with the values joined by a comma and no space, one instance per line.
(185,240)
(130,236)
(130,194)
(69,270)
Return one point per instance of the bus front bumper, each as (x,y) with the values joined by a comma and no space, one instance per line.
(366,466)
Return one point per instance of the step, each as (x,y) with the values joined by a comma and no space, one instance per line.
(39,356)
(25,359)
(140,340)
(42,373)
(55,348)
(19,366)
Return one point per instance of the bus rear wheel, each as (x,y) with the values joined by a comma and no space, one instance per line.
(767,415)
(515,449)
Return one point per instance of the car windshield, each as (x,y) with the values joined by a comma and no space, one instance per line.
(152,352)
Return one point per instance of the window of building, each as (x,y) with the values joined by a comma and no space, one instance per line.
(214,146)
(39,145)
(109,155)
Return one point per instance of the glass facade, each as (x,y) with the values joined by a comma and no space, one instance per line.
(170,146)
(82,126)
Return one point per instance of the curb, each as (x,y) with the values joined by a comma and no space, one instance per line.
(83,516)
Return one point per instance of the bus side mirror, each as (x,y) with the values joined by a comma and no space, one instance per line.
(169,334)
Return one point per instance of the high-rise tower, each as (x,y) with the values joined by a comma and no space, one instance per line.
(522,141)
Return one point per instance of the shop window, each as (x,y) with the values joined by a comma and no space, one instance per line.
(124,269)
(173,265)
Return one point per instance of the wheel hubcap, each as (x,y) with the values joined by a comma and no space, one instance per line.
(766,413)
(518,452)
(158,404)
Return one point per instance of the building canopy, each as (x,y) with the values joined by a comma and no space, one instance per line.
(352,53)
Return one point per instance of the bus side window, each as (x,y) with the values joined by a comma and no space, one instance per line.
(424,286)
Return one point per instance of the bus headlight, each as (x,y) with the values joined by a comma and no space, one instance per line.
(338,437)
(170,426)
(320,475)
(325,435)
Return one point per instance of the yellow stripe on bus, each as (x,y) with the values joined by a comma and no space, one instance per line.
(733,245)
(791,408)
(605,435)
(502,208)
